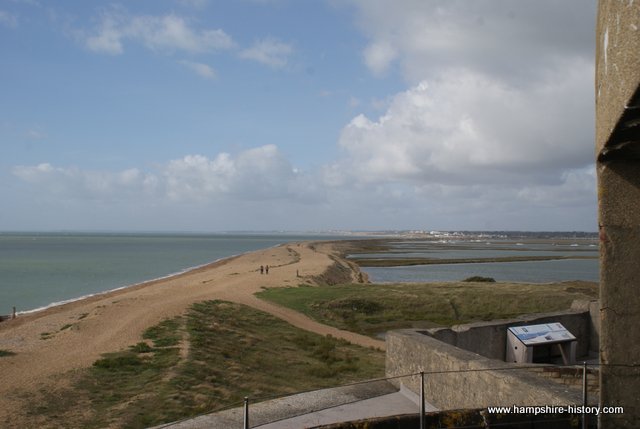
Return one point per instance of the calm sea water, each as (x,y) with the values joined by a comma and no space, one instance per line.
(530,271)
(526,272)
(37,270)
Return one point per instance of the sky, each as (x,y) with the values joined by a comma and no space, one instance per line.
(288,115)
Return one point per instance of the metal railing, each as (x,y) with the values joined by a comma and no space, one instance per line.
(242,413)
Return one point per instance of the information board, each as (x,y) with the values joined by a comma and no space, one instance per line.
(542,334)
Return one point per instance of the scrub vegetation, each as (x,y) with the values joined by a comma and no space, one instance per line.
(372,309)
(208,359)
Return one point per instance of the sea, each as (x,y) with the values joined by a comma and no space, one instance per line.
(581,261)
(39,270)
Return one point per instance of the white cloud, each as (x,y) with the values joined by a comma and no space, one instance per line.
(497,118)
(470,128)
(196,177)
(109,37)
(493,131)
(256,174)
(270,52)
(8,20)
(232,188)
(497,37)
(172,32)
(576,189)
(200,69)
(83,184)
(161,33)
(379,55)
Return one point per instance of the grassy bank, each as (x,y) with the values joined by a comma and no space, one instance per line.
(205,360)
(374,308)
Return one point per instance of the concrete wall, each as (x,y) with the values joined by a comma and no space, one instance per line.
(617,66)
(470,419)
(410,351)
(618,167)
(489,339)
(594,325)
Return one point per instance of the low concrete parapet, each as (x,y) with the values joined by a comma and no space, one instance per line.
(456,378)
(469,419)
(489,338)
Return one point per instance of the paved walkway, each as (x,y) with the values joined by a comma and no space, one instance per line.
(321,407)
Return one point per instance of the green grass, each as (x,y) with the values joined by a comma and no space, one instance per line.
(4,353)
(480,279)
(371,309)
(208,359)
(165,334)
(141,347)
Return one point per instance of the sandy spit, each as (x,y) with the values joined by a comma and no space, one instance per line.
(50,343)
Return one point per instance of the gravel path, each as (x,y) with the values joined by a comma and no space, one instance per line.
(50,343)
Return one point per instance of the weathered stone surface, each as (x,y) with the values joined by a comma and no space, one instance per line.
(469,419)
(618,156)
(489,338)
(458,378)
(617,65)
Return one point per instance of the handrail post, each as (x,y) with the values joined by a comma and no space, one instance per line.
(584,395)
(246,412)
(422,410)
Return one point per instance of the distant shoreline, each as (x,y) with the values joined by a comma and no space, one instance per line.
(138,284)
(405,262)
(47,346)
(43,270)
(363,241)
(456,258)
(116,291)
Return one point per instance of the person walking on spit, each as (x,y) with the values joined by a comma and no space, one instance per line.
(262,269)
(266,269)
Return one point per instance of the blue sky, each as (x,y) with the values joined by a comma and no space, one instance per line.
(205,115)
